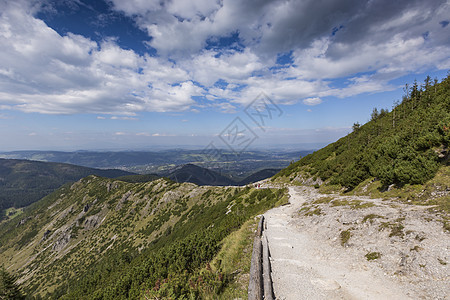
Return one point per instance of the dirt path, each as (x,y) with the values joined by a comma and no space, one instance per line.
(308,263)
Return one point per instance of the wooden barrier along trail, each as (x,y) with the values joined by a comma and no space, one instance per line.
(267,278)
(260,284)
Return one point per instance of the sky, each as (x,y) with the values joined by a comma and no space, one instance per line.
(233,74)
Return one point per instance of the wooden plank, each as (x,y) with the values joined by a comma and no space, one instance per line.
(255,287)
(267,278)
(260,226)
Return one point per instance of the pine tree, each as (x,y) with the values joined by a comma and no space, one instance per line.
(9,290)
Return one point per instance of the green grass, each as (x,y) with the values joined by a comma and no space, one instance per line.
(373,255)
(371,217)
(395,226)
(233,260)
(326,199)
(314,212)
(345,236)
(11,213)
(354,204)
(431,192)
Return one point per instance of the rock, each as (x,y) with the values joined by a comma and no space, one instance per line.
(392,186)
(62,241)
(123,200)
(403,261)
(23,221)
(46,235)
(91,222)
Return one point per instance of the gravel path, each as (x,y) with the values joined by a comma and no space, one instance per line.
(308,265)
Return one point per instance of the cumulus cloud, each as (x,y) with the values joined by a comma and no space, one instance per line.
(44,71)
(312,101)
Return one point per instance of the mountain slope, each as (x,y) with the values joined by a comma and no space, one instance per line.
(23,182)
(114,240)
(405,146)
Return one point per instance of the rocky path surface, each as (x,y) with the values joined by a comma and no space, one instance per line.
(309,261)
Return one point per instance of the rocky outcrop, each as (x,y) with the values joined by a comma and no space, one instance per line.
(62,240)
(91,222)
(23,221)
(123,200)
(46,235)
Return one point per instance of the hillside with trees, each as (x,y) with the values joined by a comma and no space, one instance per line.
(23,182)
(109,239)
(404,146)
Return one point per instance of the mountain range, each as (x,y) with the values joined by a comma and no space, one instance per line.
(23,182)
(101,238)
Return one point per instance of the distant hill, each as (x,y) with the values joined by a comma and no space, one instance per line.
(407,145)
(23,182)
(145,162)
(198,175)
(202,176)
(260,175)
(138,178)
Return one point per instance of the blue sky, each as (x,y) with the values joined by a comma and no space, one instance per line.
(78,74)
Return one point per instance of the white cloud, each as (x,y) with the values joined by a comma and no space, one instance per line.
(42,71)
(143,134)
(312,101)
(207,68)
(133,7)
(124,118)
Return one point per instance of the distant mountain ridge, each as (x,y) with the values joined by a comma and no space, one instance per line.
(146,162)
(23,182)
(202,176)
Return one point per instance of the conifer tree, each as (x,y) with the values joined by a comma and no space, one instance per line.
(9,290)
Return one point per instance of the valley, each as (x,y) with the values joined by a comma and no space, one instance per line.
(234,165)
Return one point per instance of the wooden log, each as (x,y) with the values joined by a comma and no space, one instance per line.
(255,285)
(255,288)
(267,278)
(260,226)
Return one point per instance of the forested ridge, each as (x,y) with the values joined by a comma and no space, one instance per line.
(101,238)
(23,182)
(406,145)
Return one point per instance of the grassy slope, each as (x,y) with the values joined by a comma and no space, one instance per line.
(402,148)
(127,238)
